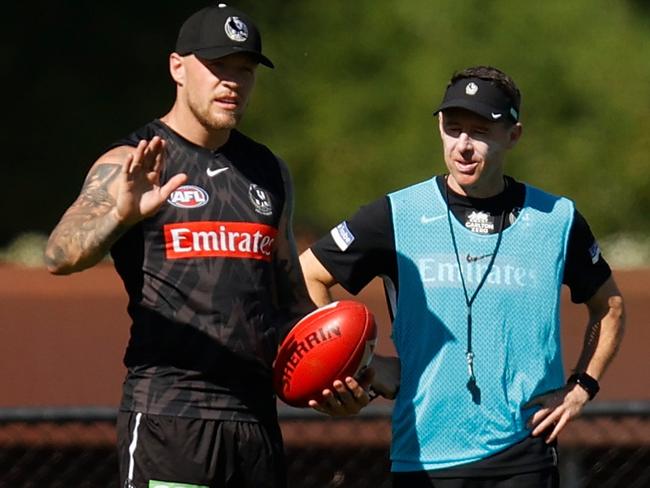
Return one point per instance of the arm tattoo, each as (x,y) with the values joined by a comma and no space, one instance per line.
(86,231)
(95,188)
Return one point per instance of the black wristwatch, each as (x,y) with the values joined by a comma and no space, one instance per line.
(586,382)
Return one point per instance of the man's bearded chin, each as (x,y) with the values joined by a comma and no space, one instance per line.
(220,121)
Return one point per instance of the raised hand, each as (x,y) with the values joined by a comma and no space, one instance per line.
(122,188)
(139,193)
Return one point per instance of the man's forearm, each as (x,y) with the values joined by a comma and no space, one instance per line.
(80,241)
(602,339)
(317,278)
(90,226)
(319,293)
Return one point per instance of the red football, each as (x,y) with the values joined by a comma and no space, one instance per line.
(333,342)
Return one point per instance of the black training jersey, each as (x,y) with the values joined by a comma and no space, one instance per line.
(199,277)
(363,247)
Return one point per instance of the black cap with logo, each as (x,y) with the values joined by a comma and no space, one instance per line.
(219,30)
(482,97)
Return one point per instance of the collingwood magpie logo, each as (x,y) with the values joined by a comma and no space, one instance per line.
(236,29)
(260,199)
(471,88)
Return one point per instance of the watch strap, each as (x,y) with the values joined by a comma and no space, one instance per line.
(586,382)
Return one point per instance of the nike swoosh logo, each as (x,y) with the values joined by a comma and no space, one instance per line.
(471,259)
(427,220)
(214,172)
(496,116)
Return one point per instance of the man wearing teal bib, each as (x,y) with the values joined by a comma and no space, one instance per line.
(473,262)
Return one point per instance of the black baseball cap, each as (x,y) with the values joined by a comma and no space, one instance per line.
(219,30)
(482,97)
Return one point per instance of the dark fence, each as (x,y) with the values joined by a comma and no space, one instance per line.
(609,446)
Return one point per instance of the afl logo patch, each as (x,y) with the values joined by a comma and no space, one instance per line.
(189,196)
(236,29)
(260,199)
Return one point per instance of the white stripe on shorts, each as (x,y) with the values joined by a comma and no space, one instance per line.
(133,445)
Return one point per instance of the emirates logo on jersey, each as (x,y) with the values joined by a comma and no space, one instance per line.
(189,196)
(242,240)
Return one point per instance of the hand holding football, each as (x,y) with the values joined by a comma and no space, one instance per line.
(331,343)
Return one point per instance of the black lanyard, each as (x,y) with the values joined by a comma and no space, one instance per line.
(469,301)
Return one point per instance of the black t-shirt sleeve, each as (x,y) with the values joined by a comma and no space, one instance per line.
(586,269)
(361,248)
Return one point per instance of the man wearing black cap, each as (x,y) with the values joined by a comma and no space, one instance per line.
(473,262)
(197,218)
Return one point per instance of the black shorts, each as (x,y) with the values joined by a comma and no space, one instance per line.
(530,463)
(198,453)
(547,478)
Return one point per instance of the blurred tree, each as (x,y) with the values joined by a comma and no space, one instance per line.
(349,105)
(358,82)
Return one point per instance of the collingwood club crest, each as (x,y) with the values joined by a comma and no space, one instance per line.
(471,88)
(236,29)
(260,199)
